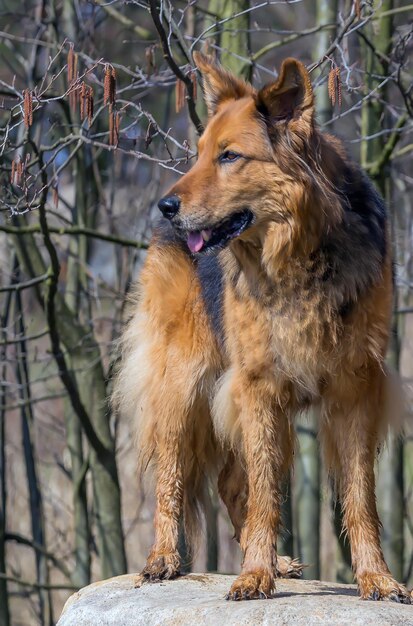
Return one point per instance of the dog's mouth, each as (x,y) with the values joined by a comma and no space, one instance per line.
(217,237)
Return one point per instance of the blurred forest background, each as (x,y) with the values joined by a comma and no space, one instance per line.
(100,111)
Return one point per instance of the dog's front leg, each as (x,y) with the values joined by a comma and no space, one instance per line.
(163,561)
(267,446)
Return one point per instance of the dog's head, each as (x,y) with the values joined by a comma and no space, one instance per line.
(251,170)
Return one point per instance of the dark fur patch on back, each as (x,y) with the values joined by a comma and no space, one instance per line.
(356,249)
(361,197)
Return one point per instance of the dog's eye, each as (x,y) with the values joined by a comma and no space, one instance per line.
(228,156)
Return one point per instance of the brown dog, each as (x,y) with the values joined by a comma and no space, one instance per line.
(267,288)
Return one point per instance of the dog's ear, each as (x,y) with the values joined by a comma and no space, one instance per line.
(290,97)
(219,84)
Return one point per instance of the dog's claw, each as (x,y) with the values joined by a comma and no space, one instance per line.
(399,597)
(375,595)
(162,567)
(382,587)
(394,597)
(289,568)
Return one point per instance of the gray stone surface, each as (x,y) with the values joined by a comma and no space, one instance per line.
(198,599)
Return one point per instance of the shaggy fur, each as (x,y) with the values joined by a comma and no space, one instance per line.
(226,345)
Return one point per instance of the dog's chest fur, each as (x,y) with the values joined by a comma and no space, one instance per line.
(291,326)
(282,329)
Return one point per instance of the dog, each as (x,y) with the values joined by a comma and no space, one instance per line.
(267,288)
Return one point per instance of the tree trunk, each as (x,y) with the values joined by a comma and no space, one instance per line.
(286,536)
(234,38)
(307,496)
(326,13)
(33,484)
(86,361)
(76,285)
(4,599)
(211,516)
(307,473)
(390,468)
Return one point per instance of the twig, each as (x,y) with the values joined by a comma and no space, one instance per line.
(71,230)
(403,151)
(289,39)
(402,9)
(376,168)
(144,33)
(9,342)
(25,285)
(25,541)
(175,67)
(33,585)
(19,404)
(102,452)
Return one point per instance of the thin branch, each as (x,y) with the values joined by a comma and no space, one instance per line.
(175,67)
(25,285)
(74,230)
(33,401)
(349,21)
(33,585)
(376,168)
(144,33)
(289,39)
(403,151)
(103,453)
(25,541)
(9,342)
(402,9)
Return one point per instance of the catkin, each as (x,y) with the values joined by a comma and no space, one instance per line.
(114,125)
(331,87)
(338,84)
(150,59)
(109,85)
(179,95)
(89,105)
(70,64)
(82,100)
(28,107)
(194,85)
(19,172)
(334,86)
(55,194)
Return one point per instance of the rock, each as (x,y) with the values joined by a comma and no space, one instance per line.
(198,599)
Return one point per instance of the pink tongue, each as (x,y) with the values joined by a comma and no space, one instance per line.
(195,241)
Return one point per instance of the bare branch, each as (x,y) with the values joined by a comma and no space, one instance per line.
(175,68)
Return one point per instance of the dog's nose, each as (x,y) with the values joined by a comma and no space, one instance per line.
(169,206)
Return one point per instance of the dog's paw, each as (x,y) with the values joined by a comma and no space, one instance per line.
(159,567)
(289,568)
(382,587)
(252,586)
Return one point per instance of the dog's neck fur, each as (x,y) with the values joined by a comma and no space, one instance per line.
(327,218)
(314,210)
